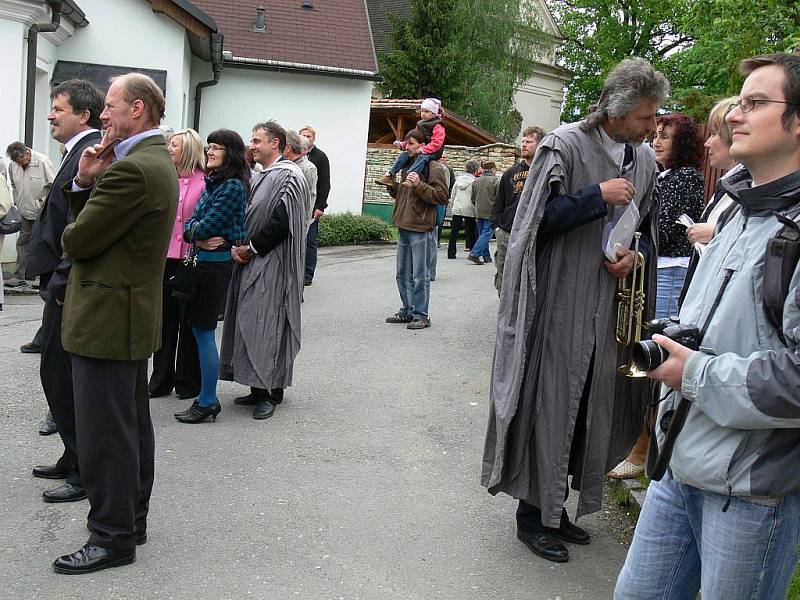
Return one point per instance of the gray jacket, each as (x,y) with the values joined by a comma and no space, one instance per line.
(742,432)
(484,193)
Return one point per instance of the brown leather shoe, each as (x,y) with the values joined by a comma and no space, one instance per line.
(386,180)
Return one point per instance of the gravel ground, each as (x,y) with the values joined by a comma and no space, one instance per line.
(365,484)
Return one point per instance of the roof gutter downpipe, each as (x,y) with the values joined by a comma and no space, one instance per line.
(216,67)
(30,81)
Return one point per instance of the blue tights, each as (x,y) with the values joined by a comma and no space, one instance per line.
(209,365)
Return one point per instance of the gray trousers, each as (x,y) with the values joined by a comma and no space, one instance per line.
(500,256)
(23,240)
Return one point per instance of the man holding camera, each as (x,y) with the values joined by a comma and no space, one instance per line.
(725,518)
(559,406)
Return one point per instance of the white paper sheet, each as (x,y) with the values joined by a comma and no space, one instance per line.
(618,234)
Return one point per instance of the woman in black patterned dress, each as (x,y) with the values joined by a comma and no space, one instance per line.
(679,151)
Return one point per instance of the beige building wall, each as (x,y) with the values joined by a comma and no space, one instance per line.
(539,99)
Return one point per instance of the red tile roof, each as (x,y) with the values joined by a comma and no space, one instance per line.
(335,34)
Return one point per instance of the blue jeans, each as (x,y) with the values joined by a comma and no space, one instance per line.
(413,276)
(481,247)
(670,282)
(684,542)
(418,166)
(311,250)
(433,253)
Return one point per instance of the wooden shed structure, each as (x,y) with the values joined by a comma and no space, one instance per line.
(391,119)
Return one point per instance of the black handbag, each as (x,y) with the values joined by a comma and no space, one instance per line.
(184,282)
(11,222)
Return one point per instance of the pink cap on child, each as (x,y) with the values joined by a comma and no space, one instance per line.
(432,104)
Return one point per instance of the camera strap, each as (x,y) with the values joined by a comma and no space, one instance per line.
(674,420)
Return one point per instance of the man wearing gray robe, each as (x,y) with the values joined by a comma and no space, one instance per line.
(559,407)
(261,336)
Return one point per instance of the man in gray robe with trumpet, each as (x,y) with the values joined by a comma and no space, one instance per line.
(559,405)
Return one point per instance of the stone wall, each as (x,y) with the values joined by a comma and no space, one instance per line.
(379,159)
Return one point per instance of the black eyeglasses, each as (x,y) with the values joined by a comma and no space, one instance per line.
(747,103)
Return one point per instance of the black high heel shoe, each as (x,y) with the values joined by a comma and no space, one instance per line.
(198,414)
(183,413)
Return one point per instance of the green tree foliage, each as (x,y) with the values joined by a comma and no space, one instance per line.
(697,43)
(600,33)
(724,33)
(472,54)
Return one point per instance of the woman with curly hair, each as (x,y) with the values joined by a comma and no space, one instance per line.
(679,150)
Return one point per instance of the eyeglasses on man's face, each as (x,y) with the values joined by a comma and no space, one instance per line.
(747,103)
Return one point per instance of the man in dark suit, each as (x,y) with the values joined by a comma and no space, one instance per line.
(320,160)
(124,203)
(75,122)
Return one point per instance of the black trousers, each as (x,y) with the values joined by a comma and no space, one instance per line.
(529,517)
(457,222)
(176,338)
(274,395)
(55,371)
(115,447)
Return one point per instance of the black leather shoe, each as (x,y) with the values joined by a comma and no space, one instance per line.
(49,472)
(544,544)
(263,410)
(154,393)
(187,395)
(249,400)
(48,426)
(30,348)
(569,532)
(66,492)
(197,414)
(93,558)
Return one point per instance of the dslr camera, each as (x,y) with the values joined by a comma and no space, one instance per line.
(647,355)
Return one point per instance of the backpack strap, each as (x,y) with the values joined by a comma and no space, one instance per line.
(780,262)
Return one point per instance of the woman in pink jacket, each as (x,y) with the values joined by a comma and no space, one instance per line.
(186,149)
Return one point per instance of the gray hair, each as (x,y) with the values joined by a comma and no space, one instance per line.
(294,141)
(472,166)
(631,80)
(16,150)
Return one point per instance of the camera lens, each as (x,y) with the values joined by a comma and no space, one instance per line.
(647,355)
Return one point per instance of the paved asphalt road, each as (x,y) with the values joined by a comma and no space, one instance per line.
(365,484)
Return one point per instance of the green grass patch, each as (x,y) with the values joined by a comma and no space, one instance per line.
(622,497)
(346,228)
(794,587)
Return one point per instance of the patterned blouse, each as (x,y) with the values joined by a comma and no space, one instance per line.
(681,191)
(219,212)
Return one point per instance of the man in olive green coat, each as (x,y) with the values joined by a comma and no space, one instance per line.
(124,204)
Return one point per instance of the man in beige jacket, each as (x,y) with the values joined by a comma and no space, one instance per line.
(32,174)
